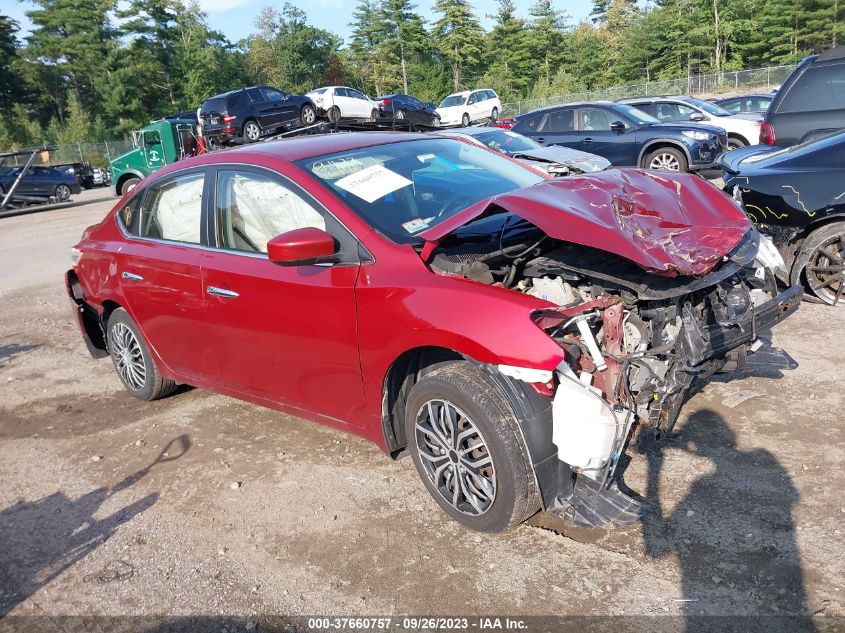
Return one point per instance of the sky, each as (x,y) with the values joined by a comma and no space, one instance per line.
(235,18)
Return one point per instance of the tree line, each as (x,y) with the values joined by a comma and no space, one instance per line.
(81,75)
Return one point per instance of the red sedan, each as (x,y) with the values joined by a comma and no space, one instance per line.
(512,333)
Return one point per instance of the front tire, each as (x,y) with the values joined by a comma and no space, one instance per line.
(435,121)
(494,115)
(129,185)
(334,114)
(251,132)
(821,264)
(735,143)
(132,360)
(468,449)
(666,159)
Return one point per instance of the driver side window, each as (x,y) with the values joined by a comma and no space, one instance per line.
(253,208)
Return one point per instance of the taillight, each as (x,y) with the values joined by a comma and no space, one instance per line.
(767,133)
(385,102)
(229,118)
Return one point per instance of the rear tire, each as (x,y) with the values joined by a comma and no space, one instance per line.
(132,360)
(374,114)
(400,114)
(474,462)
(819,264)
(334,114)
(62,193)
(465,119)
(666,159)
(435,121)
(494,115)
(251,132)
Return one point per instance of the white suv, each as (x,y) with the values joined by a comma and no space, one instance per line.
(742,129)
(468,106)
(341,102)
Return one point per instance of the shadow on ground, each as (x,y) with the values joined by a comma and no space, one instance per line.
(42,539)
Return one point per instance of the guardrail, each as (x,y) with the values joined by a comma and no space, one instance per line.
(763,79)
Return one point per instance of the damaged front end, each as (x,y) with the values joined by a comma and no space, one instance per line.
(636,340)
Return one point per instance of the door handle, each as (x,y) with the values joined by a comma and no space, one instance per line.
(540,140)
(131,276)
(587,140)
(222,292)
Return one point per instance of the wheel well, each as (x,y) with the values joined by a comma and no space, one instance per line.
(401,376)
(108,308)
(660,145)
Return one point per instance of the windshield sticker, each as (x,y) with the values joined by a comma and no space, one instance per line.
(334,169)
(373,183)
(416,225)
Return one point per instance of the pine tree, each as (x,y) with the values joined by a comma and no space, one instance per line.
(459,38)
(510,67)
(547,37)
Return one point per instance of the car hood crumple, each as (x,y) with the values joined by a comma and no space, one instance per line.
(672,224)
(565,156)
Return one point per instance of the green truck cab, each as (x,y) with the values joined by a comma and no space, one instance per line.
(158,144)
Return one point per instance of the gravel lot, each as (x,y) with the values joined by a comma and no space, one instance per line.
(251,512)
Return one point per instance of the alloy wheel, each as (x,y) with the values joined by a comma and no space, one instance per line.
(435,121)
(128,357)
(308,115)
(455,457)
(826,270)
(400,114)
(665,162)
(62,193)
(252,131)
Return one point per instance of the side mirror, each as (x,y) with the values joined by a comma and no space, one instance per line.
(617,126)
(697,116)
(300,247)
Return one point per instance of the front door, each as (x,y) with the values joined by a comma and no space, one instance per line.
(285,334)
(597,137)
(152,149)
(159,272)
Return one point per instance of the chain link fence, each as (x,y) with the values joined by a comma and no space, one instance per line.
(98,154)
(760,79)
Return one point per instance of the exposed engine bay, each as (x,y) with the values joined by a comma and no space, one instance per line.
(635,343)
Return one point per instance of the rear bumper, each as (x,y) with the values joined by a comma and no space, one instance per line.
(86,318)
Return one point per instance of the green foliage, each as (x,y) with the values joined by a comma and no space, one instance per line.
(81,77)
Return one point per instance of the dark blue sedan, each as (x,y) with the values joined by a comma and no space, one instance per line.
(40,182)
(625,136)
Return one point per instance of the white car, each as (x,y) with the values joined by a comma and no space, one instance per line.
(468,106)
(342,102)
(742,129)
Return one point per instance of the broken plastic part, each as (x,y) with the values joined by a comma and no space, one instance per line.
(526,374)
(590,342)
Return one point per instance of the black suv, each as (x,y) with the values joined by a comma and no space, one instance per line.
(250,113)
(402,106)
(810,103)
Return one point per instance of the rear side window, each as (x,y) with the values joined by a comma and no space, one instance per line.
(128,216)
(253,208)
(560,121)
(254,95)
(172,209)
(818,88)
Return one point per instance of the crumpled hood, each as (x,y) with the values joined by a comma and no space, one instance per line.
(674,224)
(573,158)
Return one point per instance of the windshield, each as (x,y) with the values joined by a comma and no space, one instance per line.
(454,100)
(507,142)
(709,108)
(635,114)
(404,188)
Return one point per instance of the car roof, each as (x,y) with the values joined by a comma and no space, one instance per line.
(831,53)
(574,104)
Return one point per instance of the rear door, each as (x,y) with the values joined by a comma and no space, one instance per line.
(160,271)
(557,128)
(597,137)
(284,334)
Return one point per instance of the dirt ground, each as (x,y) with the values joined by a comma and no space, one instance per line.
(251,512)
